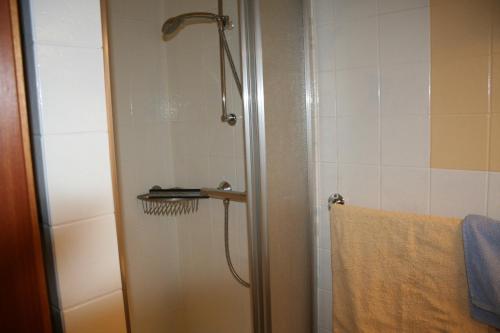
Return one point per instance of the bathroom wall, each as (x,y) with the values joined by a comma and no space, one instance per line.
(375,141)
(64,56)
(465,78)
(167,110)
(144,151)
(205,152)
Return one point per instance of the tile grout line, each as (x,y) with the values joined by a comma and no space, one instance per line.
(91,300)
(86,219)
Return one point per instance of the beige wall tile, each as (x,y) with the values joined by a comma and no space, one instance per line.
(460,85)
(459,142)
(496,26)
(495,83)
(460,28)
(495,143)
(101,315)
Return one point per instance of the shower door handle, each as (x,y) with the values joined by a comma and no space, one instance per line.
(225,194)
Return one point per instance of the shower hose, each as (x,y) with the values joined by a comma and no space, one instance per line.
(226,244)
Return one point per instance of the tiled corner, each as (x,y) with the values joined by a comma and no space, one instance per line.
(78,176)
(86,260)
(102,315)
(494,195)
(62,108)
(405,189)
(457,193)
(67,22)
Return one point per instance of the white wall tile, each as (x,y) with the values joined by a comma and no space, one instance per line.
(325,312)
(67,22)
(70,89)
(78,176)
(405,89)
(327,181)
(327,139)
(325,51)
(405,189)
(386,6)
(102,315)
(360,185)
(347,10)
(326,94)
(363,52)
(358,139)
(221,168)
(405,37)
(323,11)
(324,228)
(325,270)
(86,260)
(457,193)
(190,143)
(405,140)
(357,91)
(494,195)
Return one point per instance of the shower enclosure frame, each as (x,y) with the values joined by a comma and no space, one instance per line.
(252,80)
(255,164)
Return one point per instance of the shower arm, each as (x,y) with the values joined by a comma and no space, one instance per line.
(224,50)
(231,64)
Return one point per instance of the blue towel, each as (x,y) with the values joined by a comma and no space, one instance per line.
(482,260)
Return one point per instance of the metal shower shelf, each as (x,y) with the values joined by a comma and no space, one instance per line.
(171,201)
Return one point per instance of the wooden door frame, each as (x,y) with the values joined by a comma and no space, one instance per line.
(26,306)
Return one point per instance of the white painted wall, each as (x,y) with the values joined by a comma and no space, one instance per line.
(70,133)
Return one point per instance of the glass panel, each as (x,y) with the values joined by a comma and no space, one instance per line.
(167,113)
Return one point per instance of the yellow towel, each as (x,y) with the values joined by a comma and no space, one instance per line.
(395,272)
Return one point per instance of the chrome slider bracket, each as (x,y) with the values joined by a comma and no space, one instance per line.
(224,192)
(335,199)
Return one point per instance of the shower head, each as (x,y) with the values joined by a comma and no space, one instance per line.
(173,24)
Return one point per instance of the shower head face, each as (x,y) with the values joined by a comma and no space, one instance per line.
(171,25)
(174,24)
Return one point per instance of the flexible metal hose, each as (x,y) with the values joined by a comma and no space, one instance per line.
(226,244)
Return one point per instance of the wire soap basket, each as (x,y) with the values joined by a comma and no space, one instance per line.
(171,201)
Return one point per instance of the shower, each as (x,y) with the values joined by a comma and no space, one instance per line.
(174,24)
(224,191)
